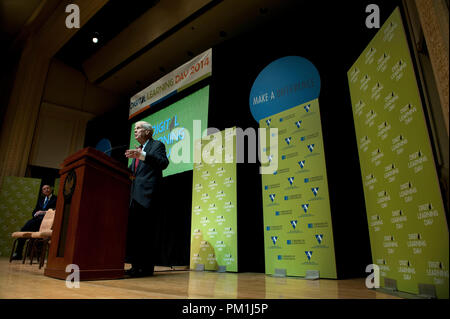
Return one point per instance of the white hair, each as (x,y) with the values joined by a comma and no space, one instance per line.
(146,126)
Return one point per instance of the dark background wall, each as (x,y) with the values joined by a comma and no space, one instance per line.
(332,37)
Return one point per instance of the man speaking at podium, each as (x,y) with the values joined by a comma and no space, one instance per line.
(149,160)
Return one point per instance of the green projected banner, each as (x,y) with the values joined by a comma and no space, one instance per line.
(175,123)
(214,209)
(406,216)
(297,219)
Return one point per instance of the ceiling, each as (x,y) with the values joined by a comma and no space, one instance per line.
(222,21)
(216,22)
(14,15)
(114,17)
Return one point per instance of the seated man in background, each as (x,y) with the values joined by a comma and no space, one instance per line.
(48,201)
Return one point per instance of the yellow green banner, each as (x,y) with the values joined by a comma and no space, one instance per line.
(298,234)
(214,209)
(405,212)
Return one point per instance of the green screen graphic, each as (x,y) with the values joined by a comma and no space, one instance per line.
(297,219)
(174,124)
(18,197)
(214,210)
(407,223)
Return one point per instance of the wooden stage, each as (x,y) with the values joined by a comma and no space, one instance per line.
(25,281)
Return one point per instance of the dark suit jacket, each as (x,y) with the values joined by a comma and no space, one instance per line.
(148,175)
(40,204)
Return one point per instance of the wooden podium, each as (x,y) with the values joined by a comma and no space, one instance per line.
(91,217)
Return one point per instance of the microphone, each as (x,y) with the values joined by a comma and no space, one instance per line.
(115,148)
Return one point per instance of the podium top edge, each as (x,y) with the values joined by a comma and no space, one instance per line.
(92,153)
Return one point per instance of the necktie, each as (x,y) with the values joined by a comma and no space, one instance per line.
(136,160)
(45,202)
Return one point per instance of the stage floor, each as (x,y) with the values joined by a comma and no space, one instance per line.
(25,281)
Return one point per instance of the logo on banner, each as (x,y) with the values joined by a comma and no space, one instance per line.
(311,147)
(301,163)
(268,122)
(291,180)
(274,239)
(315,190)
(307,107)
(272,197)
(305,207)
(293,223)
(229,205)
(308,254)
(319,238)
(298,124)
(288,140)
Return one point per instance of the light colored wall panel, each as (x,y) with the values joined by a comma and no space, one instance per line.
(98,100)
(68,87)
(64,85)
(60,132)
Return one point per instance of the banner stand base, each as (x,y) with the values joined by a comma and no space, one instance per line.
(222,269)
(400,294)
(427,291)
(279,272)
(312,274)
(390,284)
(199,267)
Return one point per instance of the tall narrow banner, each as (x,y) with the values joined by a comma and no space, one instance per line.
(214,209)
(297,218)
(407,224)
